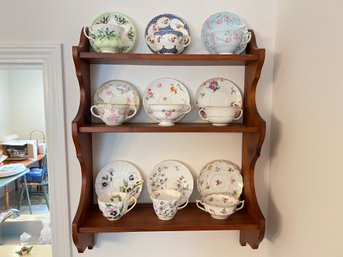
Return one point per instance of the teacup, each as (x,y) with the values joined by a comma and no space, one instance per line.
(220,115)
(166,203)
(113,114)
(105,37)
(167,114)
(220,210)
(227,41)
(168,41)
(114,205)
(222,199)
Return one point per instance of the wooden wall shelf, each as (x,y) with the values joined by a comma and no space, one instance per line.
(88,219)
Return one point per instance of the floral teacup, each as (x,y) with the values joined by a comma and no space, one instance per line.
(167,114)
(227,41)
(219,210)
(113,114)
(114,205)
(220,115)
(168,41)
(106,37)
(166,203)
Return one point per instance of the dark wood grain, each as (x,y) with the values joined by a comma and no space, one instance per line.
(143,218)
(153,127)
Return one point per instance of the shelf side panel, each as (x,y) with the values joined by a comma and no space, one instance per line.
(252,144)
(83,147)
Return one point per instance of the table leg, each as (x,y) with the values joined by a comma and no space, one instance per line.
(7,197)
(27,194)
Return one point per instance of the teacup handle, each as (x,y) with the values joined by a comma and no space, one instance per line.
(188,38)
(198,202)
(95,107)
(133,205)
(240,207)
(240,115)
(85,32)
(183,206)
(246,38)
(187,109)
(134,112)
(201,110)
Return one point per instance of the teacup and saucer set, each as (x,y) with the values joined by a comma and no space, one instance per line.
(166,101)
(115,102)
(220,185)
(111,32)
(167,34)
(225,33)
(219,101)
(170,185)
(118,186)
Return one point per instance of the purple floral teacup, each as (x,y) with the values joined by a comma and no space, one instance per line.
(166,203)
(115,205)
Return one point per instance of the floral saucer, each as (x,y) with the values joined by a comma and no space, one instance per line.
(117,92)
(129,36)
(165,91)
(167,22)
(171,174)
(220,176)
(221,21)
(119,176)
(218,92)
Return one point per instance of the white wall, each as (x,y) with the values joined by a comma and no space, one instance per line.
(61,21)
(306,151)
(26,106)
(5,125)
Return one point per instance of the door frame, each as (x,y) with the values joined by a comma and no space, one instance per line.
(48,57)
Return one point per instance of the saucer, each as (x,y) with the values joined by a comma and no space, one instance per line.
(119,176)
(171,174)
(220,176)
(165,91)
(218,92)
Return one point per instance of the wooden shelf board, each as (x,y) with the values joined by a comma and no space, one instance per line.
(143,218)
(170,60)
(153,127)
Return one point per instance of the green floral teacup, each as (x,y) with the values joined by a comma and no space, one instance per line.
(105,37)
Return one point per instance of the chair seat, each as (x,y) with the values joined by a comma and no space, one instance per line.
(35,175)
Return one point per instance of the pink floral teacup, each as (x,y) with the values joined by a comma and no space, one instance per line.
(113,114)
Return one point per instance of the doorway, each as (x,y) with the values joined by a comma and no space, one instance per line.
(47,57)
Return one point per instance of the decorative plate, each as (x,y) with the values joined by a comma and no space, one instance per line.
(165,91)
(218,92)
(220,176)
(11,169)
(167,22)
(129,36)
(119,176)
(117,92)
(221,21)
(172,175)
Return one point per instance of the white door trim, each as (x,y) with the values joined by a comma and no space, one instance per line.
(49,58)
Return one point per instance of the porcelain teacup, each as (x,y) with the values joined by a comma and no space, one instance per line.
(105,37)
(219,210)
(227,41)
(220,199)
(166,203)
(167,114)
(113,114)
(168,41)
(220,115)
(115,205)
